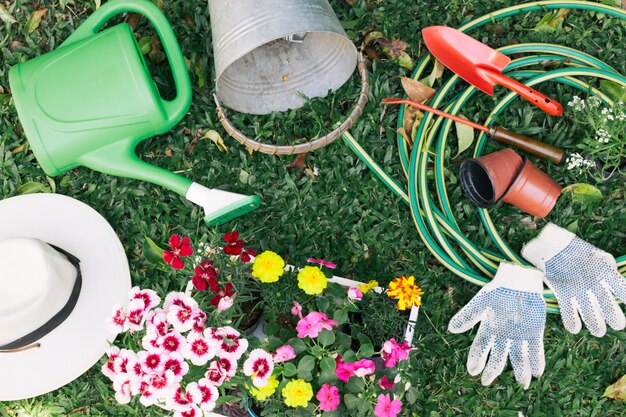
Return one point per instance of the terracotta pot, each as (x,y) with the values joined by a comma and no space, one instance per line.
(533,191)
(485,180)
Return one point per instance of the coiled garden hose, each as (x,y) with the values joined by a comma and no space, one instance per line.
(433,217)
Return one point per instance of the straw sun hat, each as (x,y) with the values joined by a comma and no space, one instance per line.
(62,269)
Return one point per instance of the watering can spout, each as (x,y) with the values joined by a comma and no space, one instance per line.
(219,206)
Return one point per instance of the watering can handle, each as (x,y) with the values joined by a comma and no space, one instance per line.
(177,107)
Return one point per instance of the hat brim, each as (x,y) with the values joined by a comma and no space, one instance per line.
(81,340)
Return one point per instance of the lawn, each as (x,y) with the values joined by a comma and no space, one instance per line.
(333,207)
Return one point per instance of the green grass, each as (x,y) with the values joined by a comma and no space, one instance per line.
(344,214)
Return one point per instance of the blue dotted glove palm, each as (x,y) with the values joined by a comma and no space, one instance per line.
(512,313)
(584,279)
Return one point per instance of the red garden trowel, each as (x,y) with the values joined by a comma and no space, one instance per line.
(480,65)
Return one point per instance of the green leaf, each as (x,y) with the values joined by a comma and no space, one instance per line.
(35,19)
(614,90)
(5,98)
(297,344)
(411,395)
(356,385)
(316,351)
(305,366)
(367,350)
(341,316)
(465,135)
(573,226)
(351,401)
(323,304)
(363,405)
(5,15)
(290,369)
(617,391)
(552,21)
(152,252)
(30,188)
(584,193)
(145,45)
(326,338)
(349,356)
(327,377)
(328,364)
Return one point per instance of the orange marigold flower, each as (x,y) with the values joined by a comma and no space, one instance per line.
(406,291)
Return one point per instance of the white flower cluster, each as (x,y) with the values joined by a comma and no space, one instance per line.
(577,104)
(576,160)
(603,136)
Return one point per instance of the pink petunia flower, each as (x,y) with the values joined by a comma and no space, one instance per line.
(328,397)
(296,310)
(204,393)
(393,352)
(343,370)
(259,366)
(149,297)
(115,323)
(284,353)
(313,324)
(387,408)
(198,349)
(322,262)
(216,374)
(363,367)
(180,247)
(354,294)
(225,303)
(385,383)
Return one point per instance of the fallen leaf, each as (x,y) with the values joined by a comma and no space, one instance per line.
(612,89)
(187,19)
(249,149)
(572,227)
(98,4)
(372,36)
(528,223)
(30,188)
(496,29)
(35,19)
(416,90)
(372,54)
(168,152)
(435,74)
(18,149)
(552,21)
(133,20)
(1,89)
(14,44)
(464,134)
(311,173)
(617,391)
(199,75)
(145,45)
(411,115)
(351,2)
(244,177)
(547,63)
(53,185)
(298,162)
(584,193)
(406,137)
(395,49)
(217,139)
(5,15)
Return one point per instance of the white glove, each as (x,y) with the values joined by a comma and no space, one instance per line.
(582,277)
(512,313)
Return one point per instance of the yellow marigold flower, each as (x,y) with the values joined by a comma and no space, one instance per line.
(365,288)
(297,393)
(312,280)
(268,267)
(267,391)
(406,291)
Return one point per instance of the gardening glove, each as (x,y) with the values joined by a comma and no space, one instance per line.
(582,277)
(512,313)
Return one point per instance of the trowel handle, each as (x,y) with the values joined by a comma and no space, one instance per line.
(545,103)
(526,144)
(177,107)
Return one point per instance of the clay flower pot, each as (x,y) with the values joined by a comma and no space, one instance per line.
(486,179)
(533,191)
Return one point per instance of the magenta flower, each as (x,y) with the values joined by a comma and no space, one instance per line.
(313,324)
(328,397)
(322,262)
(343,370)
(385,383)
(393,352)
(284,353)
(354,294)
(296,310)
(259,366)
(386,407)
(180,247)
(363,367)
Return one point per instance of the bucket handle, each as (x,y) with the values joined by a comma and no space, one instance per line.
(240,137)
(175,109)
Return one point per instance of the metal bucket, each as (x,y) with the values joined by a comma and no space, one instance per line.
(271,54)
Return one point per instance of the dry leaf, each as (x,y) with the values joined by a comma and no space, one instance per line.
(435,74)
(417,91)
(395,49)
(168,152)
(18,149)
(217,139)
(249,149)
(351,2)
(5,15)
(298,161)
(464,134)
(1,89)
(35,20)
(372,36)
(406,137)
(98,4)
(372,54)
(617,391)
(133,20)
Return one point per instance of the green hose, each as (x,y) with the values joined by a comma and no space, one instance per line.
(433,218)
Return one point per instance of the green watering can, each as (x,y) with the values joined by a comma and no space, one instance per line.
(92,100)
